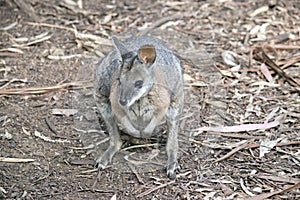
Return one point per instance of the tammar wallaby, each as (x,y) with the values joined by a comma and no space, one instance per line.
(137,86)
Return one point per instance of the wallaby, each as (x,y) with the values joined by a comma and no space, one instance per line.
(137,86)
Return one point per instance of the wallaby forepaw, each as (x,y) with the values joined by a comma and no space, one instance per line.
(101,163)
(100,166)
(171,168)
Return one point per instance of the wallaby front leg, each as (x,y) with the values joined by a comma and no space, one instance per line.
(172,148)
(115,144)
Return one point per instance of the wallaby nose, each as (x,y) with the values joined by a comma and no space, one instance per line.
(123,102)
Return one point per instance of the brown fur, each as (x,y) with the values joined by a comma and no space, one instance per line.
(157,102)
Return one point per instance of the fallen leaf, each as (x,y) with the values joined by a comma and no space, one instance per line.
(66,112)
(114,197)
(239,128)
(266,72)
(267,145)
(259,10)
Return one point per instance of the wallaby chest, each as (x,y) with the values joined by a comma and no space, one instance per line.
(140,114)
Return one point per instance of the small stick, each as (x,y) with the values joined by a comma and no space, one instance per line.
(155,188)
(140,180)
(278,70)
(266,59)
(52,128)
(42,90)
(280,144)
(245,189)
(15,160)
(161,22)
(284,46)
(51,26)
(140,146)
(12,81)
(270,194)
(233,151)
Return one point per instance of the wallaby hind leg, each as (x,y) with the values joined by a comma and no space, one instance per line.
(115,140)
(172,148)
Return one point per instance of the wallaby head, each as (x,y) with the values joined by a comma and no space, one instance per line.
(136,76)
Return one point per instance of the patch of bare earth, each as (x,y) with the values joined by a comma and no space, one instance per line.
(240,131)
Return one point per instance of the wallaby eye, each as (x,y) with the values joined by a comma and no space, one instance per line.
(127,55)
(138,84)
(139,60)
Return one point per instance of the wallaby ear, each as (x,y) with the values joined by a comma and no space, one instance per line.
(147,54)
(119,46)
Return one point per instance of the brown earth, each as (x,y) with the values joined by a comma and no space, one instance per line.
(242,67)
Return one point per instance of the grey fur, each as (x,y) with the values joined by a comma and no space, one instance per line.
(138,110)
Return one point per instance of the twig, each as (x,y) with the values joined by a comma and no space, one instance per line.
(238,135)
(284,46)
(140,180)
(161,22)
(245,189)
(270,194)
(8,54)
(141,161)
(140,146)
(277,69)
(263,56)
(155,188)
(16,160)
(233,151)
(42,90)
(97,178)
(13,80)
(48,139)
(96,190)
(280,144)
(52,57)
(37,39)
(51,26)
(50,126)
(43,177)
(86,36)
(291,62)
(285,179)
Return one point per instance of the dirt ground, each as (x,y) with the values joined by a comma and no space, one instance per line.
(240,130)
